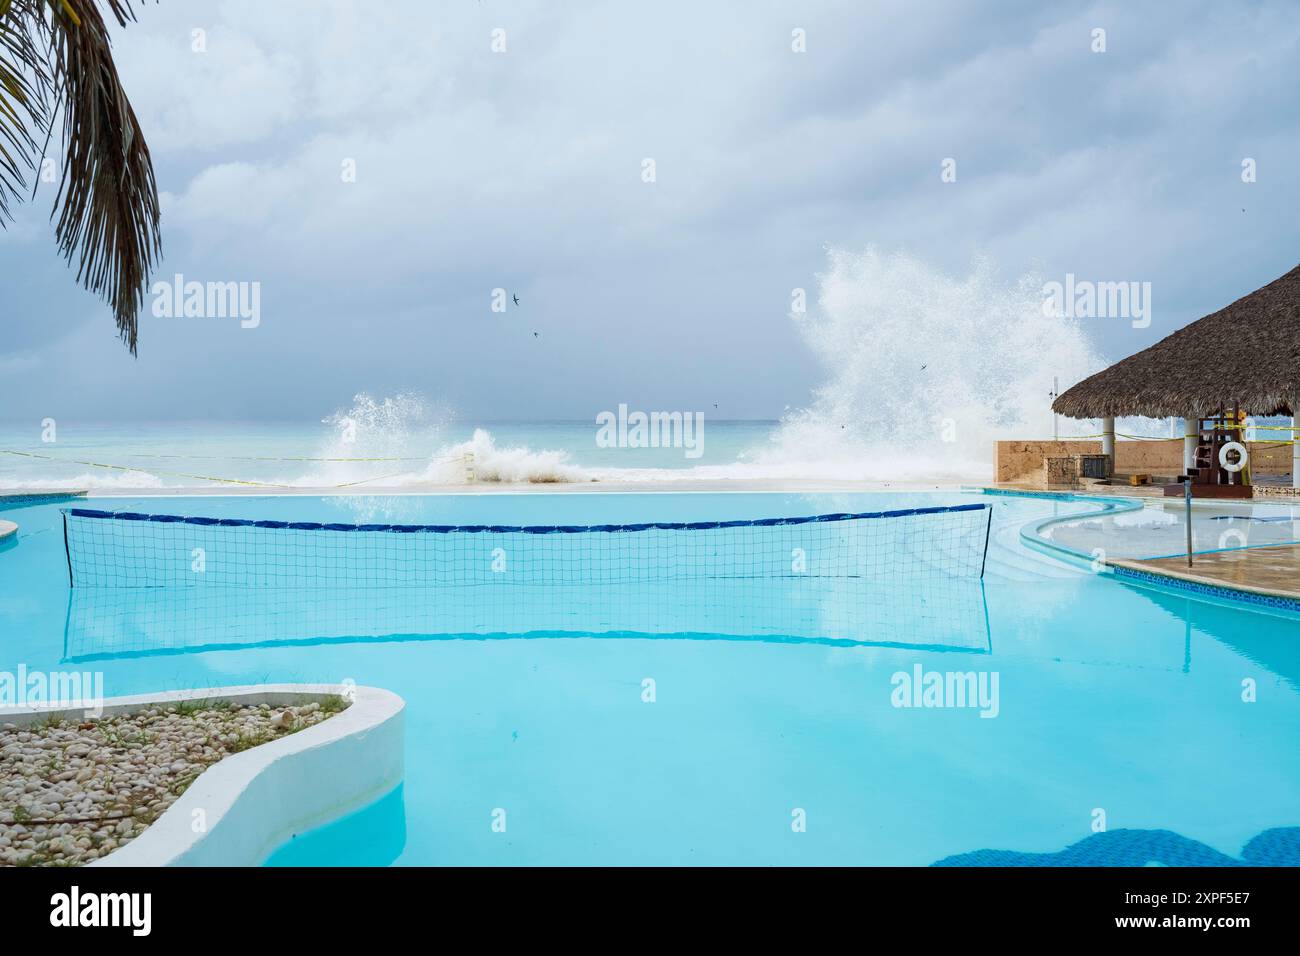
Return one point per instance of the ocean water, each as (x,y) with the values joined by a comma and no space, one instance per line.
(412,452)
(347,452)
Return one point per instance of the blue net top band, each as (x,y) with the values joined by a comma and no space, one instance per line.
(503,529)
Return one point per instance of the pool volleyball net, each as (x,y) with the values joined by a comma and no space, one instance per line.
(107,549)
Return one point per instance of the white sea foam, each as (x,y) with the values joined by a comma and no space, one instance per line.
(88,481)
(404,427)
(493,464)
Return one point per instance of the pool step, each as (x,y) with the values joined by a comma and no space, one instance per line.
(1010,560)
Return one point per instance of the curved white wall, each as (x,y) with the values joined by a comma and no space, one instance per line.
(245,805)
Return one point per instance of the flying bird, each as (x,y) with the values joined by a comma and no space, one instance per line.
(516,298)
(537,335)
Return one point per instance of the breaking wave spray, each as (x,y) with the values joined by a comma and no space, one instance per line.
(924,372)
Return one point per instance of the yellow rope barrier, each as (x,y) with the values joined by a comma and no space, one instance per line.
(1117,435)
(1280,428)
(127,468)
(229,481)
(262,458)
(352,484)
(1277,444)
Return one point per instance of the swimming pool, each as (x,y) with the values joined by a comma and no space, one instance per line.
(1110,707)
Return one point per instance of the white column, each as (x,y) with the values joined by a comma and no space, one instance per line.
(1295,449)
(1191,435)
(1108,441)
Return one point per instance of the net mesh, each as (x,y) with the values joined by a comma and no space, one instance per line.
(111,623)
(130,550)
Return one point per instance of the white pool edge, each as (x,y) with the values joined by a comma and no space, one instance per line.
(243,807)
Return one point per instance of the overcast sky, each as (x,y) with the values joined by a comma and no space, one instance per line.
(523,170)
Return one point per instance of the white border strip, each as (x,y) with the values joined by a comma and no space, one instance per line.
(244,806)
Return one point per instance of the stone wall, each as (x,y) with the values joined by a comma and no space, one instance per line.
(1023,460)
(1062,472)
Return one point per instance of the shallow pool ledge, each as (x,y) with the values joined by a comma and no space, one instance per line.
(1142,571)
(245,805)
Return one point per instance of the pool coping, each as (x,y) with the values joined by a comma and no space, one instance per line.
(38,497)
(9,499)
(243,807)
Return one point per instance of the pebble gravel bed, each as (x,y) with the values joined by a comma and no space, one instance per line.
(72,791)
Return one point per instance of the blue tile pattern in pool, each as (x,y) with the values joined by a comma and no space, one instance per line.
(1280,847)
(1276,601)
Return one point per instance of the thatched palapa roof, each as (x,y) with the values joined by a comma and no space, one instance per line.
(1246,355)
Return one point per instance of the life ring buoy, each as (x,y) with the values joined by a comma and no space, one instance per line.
(1240,463)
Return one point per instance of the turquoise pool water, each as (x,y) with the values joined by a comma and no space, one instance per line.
(1113,702)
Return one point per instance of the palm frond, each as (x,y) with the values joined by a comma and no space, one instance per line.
(55,56)
(24,101)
